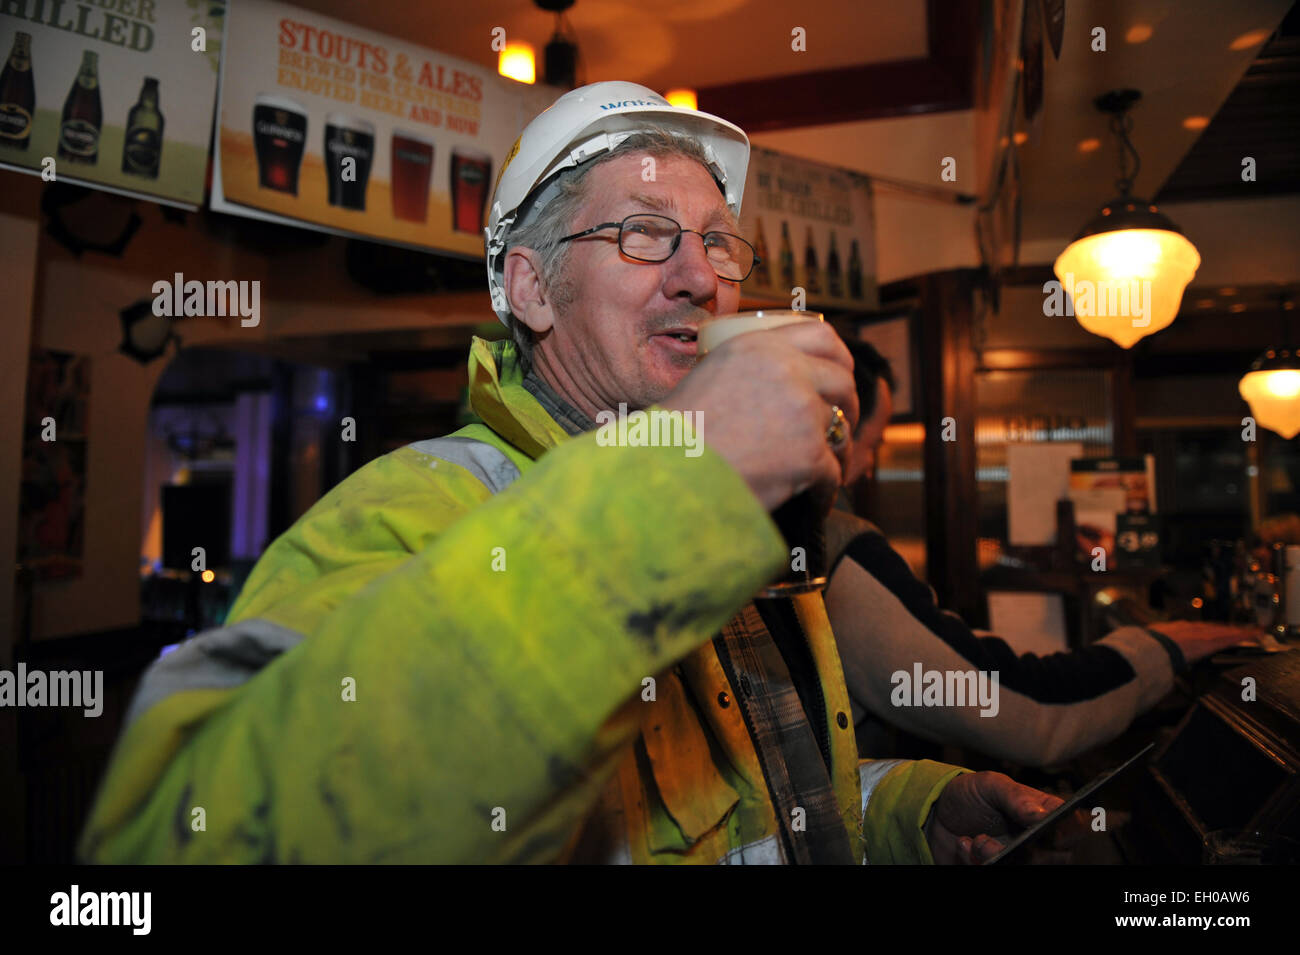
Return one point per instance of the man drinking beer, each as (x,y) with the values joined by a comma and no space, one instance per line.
(516,644)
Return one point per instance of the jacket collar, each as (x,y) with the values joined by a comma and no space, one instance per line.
(498,396)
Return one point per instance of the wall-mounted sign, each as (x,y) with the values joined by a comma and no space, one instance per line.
(112,95)
(814,228)
(326,124)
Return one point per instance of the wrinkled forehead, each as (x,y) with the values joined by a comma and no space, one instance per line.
(633,186)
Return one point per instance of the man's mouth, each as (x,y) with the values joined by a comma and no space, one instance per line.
(680,341)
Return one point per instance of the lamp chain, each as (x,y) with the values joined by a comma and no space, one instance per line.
(1120,124)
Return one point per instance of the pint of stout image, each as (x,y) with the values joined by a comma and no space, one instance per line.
(412,165)
(348,138)
(802,519)
(471,171)
(279,136)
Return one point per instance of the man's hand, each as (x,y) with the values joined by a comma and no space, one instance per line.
(1199,639)
(766,401)
(976,810)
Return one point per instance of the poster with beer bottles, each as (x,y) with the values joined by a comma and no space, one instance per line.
(813,227)
(115,94)
(344,129)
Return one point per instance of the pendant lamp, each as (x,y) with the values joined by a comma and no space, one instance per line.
(1126,270)
(1272,387)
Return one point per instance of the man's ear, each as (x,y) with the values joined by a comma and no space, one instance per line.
(525,290)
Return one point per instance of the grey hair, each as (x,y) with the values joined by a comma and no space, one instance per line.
(542,231)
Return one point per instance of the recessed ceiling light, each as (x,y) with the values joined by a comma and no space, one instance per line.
(1247,40)
(1089,145)
(1138,33)
(1196,122)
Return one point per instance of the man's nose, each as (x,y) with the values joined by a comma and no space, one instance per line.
(690,274)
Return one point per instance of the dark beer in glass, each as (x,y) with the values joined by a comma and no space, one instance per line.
(348,138)
(412,165)
(802,519)
(279,137)
(470,172)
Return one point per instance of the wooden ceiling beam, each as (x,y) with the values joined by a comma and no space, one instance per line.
(941,82)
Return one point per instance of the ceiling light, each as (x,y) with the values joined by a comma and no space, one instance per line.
(1272,386)
(1248,40)
(684,98)
(1127,268)
(562,52)
(518,62)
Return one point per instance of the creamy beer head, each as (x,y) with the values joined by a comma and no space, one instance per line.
(714,331)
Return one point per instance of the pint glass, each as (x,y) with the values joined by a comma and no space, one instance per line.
(802,519)
(412,164)
(279,135)
(470,171)
(348,138)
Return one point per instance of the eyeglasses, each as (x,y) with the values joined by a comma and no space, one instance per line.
(652,238)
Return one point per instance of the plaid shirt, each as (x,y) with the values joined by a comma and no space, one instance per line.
(765,657)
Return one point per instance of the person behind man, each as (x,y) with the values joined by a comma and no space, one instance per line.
(525,643)
(1050,708)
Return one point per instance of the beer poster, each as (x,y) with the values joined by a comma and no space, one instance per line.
(116,95)
(326,124)
(813,226)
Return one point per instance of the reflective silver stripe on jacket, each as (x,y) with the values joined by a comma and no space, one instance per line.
(488,464)
(869,776)
(763,852)
(219,659)
(871,773)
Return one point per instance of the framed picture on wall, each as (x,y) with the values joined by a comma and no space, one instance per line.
(894,336)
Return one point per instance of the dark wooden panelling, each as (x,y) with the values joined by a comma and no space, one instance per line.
(948,377)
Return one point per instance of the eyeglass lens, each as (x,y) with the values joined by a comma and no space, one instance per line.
(653,238)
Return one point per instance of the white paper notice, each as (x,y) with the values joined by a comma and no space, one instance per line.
(1040,476)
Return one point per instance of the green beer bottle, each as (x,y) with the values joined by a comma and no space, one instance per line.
(142,147)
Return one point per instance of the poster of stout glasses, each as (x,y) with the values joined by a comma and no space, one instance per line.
(114,95)
(352,131)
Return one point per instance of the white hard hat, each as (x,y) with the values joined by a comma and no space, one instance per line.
(579,126)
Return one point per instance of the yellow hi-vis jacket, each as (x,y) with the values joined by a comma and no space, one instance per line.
(448,659)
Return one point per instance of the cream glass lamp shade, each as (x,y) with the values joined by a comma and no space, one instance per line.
(1126,271)
(1272,389)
